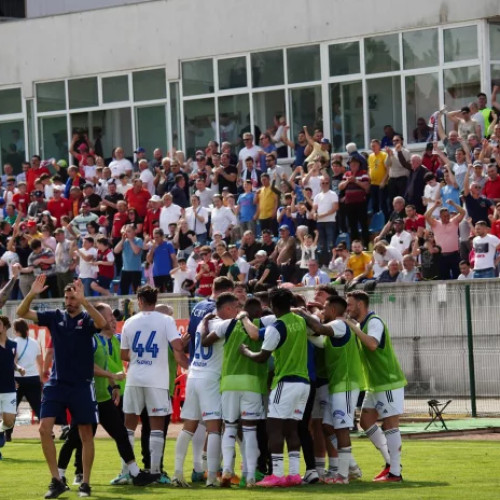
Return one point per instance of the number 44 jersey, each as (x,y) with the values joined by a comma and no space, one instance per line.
(147,335)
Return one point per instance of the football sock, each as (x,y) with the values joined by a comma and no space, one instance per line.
(156,441)
(352,462)
(344,458)
(293,463)
(4,427)
(378,438)
(213,455)
(277,459)
(320,463)
(62,473)
(334,441)
(251,450)
(333,464)
(228,446)
(198,444)
(133,469)
(394,445)
(181,447)
(241,445)
(204,464)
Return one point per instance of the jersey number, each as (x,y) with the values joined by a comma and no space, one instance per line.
(205,352)
(138,348)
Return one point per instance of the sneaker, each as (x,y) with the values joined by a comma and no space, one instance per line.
(272,481)
(214,483)
(78,479)
(293,480)
(164,479)
(259,476)
(121,479)
(355,473)
(144,478)
(329,474)
(310,477)
(178,482)
(243,482)
(250,483)
(225,481)
(197,477)
(235,480)
(8,436)
(64,432)
(337,479)
(389,478)
(56,488)
(65,482)
(84,490)
(2,439)
(383,473)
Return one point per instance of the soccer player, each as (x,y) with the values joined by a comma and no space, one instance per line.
(286,339)
(8,365)
(385,383)
(145,341)
(345,379)
(71,384)
(203,399)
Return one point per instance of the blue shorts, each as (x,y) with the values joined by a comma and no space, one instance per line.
(79,399)
(104,282)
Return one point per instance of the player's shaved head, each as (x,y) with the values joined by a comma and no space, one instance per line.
(253,307)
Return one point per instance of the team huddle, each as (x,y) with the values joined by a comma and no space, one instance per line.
(262,371)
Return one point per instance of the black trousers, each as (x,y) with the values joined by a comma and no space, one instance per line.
(306,442)
(52,290)
(449,266)
(130,278)
(264,462)
(31,389)
(111,419)
(145,433)
(164,283)
(357,215)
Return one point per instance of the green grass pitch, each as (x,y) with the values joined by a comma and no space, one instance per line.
(432,470)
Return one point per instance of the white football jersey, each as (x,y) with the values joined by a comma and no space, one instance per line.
(147,336)
(207,361)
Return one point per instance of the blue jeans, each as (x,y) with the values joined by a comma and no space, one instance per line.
(326,241)
(202,238)
(484,273)
(86,286)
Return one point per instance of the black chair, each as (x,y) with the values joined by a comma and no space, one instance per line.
(436,411)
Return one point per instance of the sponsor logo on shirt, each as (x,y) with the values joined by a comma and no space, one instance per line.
(298,412)
(144,362)
(156,410)
(209,413)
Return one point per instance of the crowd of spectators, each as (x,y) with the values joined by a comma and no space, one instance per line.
(178,223)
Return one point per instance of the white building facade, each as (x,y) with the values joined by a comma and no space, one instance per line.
(178,73)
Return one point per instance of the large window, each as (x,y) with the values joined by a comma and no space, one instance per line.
(197,77)
(234,117)
(151,128)
(115,89)
(303,64)
(306,109)
(460,44)
(266,107)
(344,58)
(267,68)
(232,73)
(382,54)
(12,145)
(149,85)
(422,99)
(384,105)
(419,49)
(50,96)
(10,101)
(461,86)
(53,137)
(199,124)
(83,93)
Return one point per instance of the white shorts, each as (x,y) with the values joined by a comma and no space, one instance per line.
(342,408)
(242,404)
(203,400)
(156,401)
(288,400)
(387,403)
(8,403)
(321,402)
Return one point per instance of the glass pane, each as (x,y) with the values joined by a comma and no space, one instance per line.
(266,105)
(112,128)
(12,147)
(152,129)
(382,54)
(10,101)
(495,41)
(460,43)
(50,96)
(82,93)
(384,104)
(461,86)
(175,115)
(199,117)
(422,99)
(495,75)
(232,73)
(234,116)
(344,58)
(420,49)
(150,84)
(306,109)
(53,137)
(115,89)
(267,68)
(347,115)
(30,116)
(303,64)
(197,77)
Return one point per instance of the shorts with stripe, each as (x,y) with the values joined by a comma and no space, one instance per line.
(288,400)
(79,399)
(8,403)
(387,403)
(342,408)
(321,404)
(246,405)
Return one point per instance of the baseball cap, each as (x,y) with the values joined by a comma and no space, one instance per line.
(261,253)
(325,141)
(82,147)
(2,201)
(55,187)
(88,185)
(199,152)
(46,212)
(465,109)
(140,150)
(111,181)
(217,233)
(155,197)
(477,163)
(283,227)
(31,223)
(398,221)
(38,193)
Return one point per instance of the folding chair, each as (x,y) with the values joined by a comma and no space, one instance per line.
(436,411)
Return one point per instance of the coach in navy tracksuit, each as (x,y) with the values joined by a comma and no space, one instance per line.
(70,385)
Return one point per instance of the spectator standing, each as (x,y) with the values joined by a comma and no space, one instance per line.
(120,164)
(35,172)
(360,262)
(478,206)
(178,192)
(180,274)
(492,186)
(378,170)
(206,273)
(284,254)
(485,248)
(146,176)
(88,269)
(223,219)
(203,192)
(430,257)
(42,261)
(170,213)
(138,198)
(59,206)
(197,219)
(401,239)
(81,221)
(267,205)
(130,246)
(64,261)
(398,175)
(162,256)
(249,149)
(105,262)
(416,183)
(225,176)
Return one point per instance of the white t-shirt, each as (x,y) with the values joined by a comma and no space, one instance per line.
(253,152)
(381,261)
(314,182)
(90,172)
(339,329)
(10,258)
(123,188)
(193,223)
(88,269)
(430,192)
(206,196)
(179,278)
(485,250)
(28,359)
(118,167)
(375,329)
(401,241)
(307,253)
(147,179)
(325,202)
(169,215)
(222,218)
(147,336)
(207,361)
(243,266)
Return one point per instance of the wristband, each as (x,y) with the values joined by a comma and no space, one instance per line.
(116,387)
